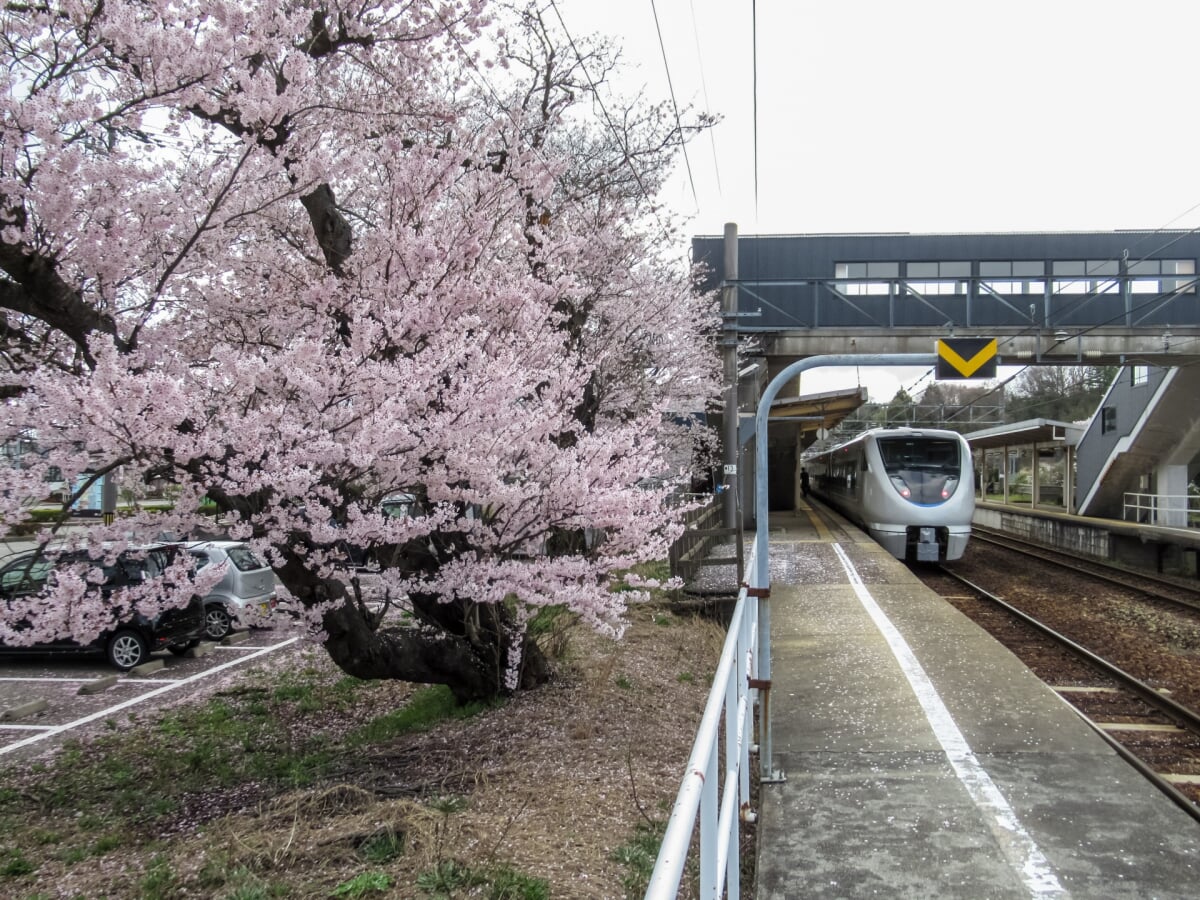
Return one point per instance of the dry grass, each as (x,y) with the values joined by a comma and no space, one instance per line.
(549,786)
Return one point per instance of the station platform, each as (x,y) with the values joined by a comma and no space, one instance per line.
(1135,545)
(921,759)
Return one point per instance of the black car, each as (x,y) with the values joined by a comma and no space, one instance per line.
(130,642)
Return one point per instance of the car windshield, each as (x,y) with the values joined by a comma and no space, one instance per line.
(244,559)
(29,574)
(25,574)
(155,563)
(399,506)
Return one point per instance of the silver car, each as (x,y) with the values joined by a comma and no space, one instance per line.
(244,596)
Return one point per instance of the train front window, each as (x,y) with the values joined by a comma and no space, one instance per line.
(932,454)
(923,470)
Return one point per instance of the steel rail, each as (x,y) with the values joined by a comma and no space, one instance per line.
(1183,716)
(1113,575)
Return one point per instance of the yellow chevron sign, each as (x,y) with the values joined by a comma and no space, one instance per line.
(966,358)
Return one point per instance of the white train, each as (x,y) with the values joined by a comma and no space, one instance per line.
(912,489)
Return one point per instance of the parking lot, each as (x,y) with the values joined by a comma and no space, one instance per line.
(45,700)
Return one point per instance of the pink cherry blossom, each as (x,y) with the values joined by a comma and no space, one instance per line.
(299,259)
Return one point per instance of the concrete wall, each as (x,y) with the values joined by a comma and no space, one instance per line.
(1129,546)
(1057,533)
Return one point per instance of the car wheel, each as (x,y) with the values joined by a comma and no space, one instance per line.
(217,623)
(127,649)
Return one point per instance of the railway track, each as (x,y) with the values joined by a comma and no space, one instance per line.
(1159,735)
(1170,590)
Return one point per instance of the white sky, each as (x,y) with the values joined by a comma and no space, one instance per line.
(923,116)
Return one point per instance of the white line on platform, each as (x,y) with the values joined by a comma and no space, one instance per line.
(1016,843)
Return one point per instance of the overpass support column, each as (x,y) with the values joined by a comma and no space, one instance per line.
(1171,485)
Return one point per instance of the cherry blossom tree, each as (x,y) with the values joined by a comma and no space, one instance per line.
(296,259)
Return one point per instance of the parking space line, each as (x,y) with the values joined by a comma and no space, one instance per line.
(63,680)
(7,727)
(59,729)
(234,648)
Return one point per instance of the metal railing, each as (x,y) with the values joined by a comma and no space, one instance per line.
(973,301)
(1171,510)
(702,532)
(718,802)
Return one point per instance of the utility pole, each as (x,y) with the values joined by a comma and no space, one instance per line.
(729,343)
(108,497)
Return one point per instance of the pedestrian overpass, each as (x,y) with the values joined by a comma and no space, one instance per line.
(1119,298)
(1094,298)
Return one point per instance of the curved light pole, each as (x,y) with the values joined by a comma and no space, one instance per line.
(762,579)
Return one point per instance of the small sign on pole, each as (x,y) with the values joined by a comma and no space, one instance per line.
(966,358)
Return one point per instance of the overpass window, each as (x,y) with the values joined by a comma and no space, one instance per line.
(1086,276)
(1013,277)
(1180,267)
(863,273)
(1144,276)
(1139,375)
(946,274)
(1108,420)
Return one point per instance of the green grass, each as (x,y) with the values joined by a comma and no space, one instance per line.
(15,864)
(507,884)
(382,847)
(219,879)
(451,878)
(550,618)
(637,856)
(363,885)
(160,881)
(95,803)
(110,793)
(424,709)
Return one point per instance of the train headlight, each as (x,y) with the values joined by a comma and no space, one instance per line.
(901,487)
(948,488)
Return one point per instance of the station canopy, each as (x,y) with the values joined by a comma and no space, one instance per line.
(816,414)
(1031,431)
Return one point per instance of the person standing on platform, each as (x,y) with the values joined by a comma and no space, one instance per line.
(804,482)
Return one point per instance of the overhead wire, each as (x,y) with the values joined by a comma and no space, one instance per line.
(600,102)
(1192,283)
(1088,274)
(712,139)
(674,103)
(1075,304)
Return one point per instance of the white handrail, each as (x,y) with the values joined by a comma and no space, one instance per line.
(1161,509)
(732,695)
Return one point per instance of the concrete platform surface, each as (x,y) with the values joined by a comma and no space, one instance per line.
(923,760)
